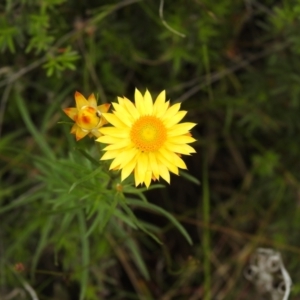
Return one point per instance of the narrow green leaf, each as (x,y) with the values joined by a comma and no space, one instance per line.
(89,157)
(153,207)
(109,213)
(39,138)
(137,258)
(97,221)
(45,230)
(23,200)
(85,255)
(85,178)
(189,177)
(120,215)
(137,222)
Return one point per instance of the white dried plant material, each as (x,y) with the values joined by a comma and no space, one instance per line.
(266,270)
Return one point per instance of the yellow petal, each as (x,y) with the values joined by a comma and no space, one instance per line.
(175,119)
(180,129)
(71,112)
(153,164)
(80,100)
(178,161)
(110,155)
(128,169)
(95,132)
(122,110)
(102,122)
(125,117)
(114,168)
(181,139)
(104,107)
(136,177)
(164,173)
(148,177)
(139,102)
(142,166)
(163,109)
(118,146)
(123,158)
(106,139)
(92,100)
(80,133)
(160,100)
(148,103)
(162,160)
(120,100)
(182,149)
(114,120)
(173,158)
(171,111)
(114,165)
(131,154)
(115,132)
(74,128)
(131,109)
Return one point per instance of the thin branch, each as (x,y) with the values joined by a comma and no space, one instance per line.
(13,294)
(3,104)
(92,71)
(122,256)
(60,42)
(161,15)
(30,290)
(214,77)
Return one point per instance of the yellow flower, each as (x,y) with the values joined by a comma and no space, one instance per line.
(88,117)
(146,138)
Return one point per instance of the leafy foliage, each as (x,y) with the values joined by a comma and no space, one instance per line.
(78,231)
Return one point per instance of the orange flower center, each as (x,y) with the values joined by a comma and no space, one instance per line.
(148,133)
(88,118)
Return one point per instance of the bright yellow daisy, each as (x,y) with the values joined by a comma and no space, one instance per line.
(146,138)
(88,117)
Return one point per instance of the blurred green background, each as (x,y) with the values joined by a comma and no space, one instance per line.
(237,73)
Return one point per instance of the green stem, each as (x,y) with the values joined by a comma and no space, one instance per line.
(205,196)
(40,139)
(85,254)
(206,231)
(207,70)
